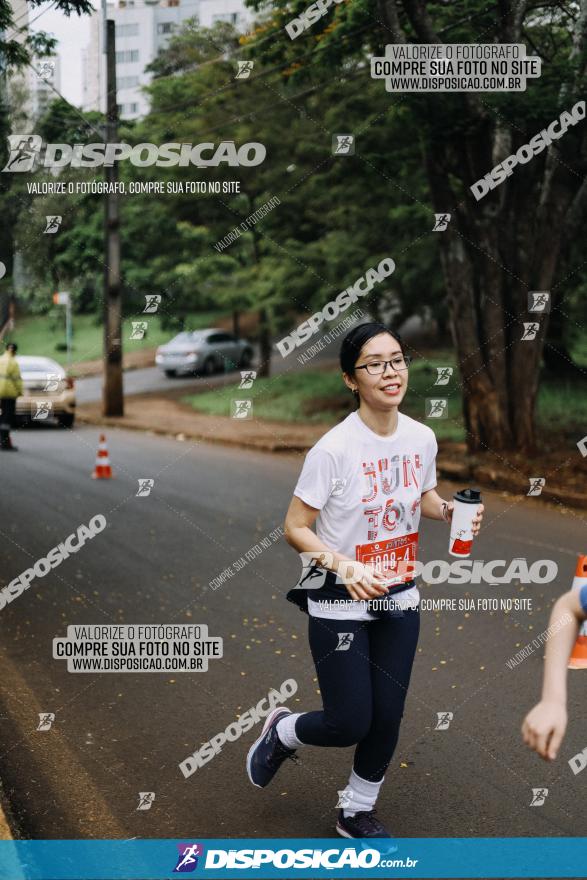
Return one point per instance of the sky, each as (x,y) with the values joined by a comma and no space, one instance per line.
(73,34)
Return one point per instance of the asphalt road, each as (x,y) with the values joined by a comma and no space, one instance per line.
(116,735)
(148,379)
(152,379)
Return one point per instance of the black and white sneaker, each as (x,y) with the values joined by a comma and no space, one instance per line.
(362,824)
(268,753)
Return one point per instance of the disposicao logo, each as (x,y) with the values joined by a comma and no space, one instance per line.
(526,152)
(187,860)
(26,154)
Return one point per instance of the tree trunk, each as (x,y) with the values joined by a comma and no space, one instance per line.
(476,320)
(264,344)
(264,323)
(485,415)
(493,254)
(235,322)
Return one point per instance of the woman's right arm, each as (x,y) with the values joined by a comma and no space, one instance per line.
(299,534)
(544,726)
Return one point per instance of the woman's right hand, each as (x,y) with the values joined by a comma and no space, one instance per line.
(370,584)
(544,728)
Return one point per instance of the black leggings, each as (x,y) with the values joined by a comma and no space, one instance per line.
(363,687)
(7,410)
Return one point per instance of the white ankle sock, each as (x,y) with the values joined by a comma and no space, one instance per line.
(286,731)
(363,794)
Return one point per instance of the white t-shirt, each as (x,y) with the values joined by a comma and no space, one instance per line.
(367,489)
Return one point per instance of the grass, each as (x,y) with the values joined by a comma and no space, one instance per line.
(562,406)
(283,398)
(42,334)
(320,396)
(578,349)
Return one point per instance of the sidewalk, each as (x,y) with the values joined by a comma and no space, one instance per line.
(162,415)
(511,473)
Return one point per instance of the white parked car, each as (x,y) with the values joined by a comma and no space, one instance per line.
(203,351)
(48,392)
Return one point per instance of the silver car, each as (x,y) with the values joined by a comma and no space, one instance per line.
(203,351)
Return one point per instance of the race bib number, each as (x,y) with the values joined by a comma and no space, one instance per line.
(394,558)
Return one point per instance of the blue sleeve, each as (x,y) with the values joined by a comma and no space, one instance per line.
(583,598)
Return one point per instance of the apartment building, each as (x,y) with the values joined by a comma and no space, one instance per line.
(143,28)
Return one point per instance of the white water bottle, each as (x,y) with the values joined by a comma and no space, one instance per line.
(466,503)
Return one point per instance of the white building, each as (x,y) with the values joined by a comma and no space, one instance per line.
(93,67)
(29,89)
(143,28)
(232,11)
(17,86)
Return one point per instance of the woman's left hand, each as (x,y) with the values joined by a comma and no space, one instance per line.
(477,520)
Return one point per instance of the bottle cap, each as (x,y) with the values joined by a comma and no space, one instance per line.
(468,496)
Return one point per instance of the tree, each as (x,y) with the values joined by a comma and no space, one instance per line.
(323,234)
(195,94)
(512,241)
(73,258)
(327,229)
(18,46)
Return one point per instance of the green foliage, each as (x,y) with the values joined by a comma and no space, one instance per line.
(338,215)
(45,334)
(63,123)
(329,228)
(16,53)
(326,231)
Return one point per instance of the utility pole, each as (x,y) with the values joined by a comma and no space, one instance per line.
(112,393)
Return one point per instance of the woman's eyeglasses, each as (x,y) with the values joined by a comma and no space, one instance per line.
(375,368)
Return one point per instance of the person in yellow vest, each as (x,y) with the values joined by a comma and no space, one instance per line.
(545,725)
(10,389)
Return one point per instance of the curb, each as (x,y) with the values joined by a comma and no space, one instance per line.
(502,480)
(51,757)
(260,446)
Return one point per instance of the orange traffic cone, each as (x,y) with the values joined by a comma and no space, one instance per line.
(578,659)
(102,471)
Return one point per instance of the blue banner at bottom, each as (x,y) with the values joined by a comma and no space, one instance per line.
(292,858)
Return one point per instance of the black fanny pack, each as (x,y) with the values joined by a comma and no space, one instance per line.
(332,588)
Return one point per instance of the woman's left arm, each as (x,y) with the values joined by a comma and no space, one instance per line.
(434,507)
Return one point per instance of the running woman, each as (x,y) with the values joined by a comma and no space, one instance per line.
(365,484)
(545,725)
